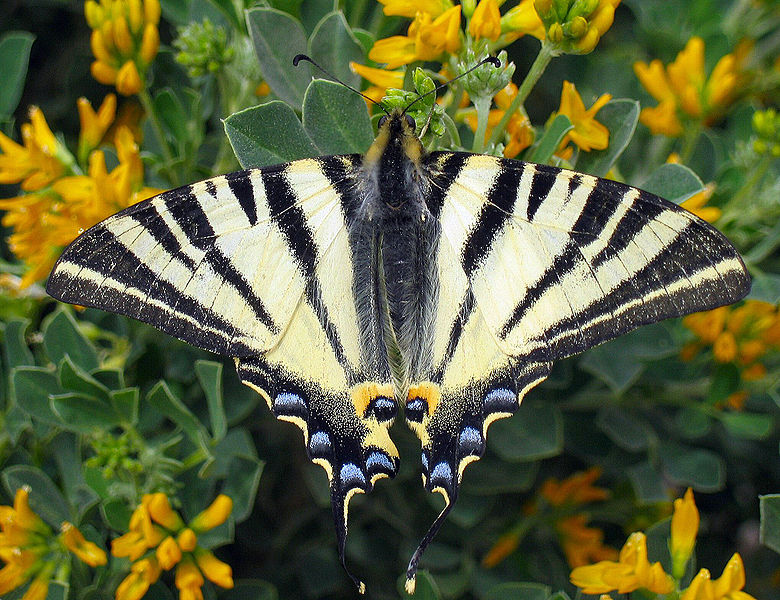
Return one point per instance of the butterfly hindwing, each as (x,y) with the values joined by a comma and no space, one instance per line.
(257,265)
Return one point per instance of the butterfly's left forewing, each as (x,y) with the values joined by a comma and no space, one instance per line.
(257,265)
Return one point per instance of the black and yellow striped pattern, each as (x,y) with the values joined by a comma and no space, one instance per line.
(347,287)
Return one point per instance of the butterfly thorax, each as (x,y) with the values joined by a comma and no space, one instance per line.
(396,290)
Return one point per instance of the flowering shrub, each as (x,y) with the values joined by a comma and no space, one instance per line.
(127,473)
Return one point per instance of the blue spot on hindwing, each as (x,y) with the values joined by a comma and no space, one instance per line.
(470,441)
(500,400)
(379,459)
(442,473)
(416,409)
(319,444)
(350,473)
(384,409)
(289,403)
(424,460)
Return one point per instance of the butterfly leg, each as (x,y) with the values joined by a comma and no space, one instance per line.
(346,433)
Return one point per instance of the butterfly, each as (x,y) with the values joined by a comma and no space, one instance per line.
(443,284)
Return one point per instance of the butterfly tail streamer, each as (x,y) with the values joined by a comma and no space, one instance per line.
(339,504)
(411,571)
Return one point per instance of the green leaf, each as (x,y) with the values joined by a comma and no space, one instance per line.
(534,432)
(766,287)
(426,588)
(251,590)
(31,388)
(518,591)
(268,134)
(551,138)
(692,423)
(674,182)
(313,11)
(277,38)
(45,497)
(74,379)
(14,58)
(770,521)
(648,484)
(701,469)
(163,400)
(125,403)
(170,111)
(725,381)
(620,118)
(17,352)
(624,428)
(210,377)
(336,119)
(241,485)
(84,414)
(61,336)
(750,426)
(333,46)
(490,477)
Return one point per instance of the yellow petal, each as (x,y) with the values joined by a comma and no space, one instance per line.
(216,514)
(410,8)
(214,569)
(379,77)
(700,587)
(393,51)
(150,43)
(128,80)
(86,551)
(161,512)
(486,21)
(168,553)
(662,119)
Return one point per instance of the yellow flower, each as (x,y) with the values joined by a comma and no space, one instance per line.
(156,525)
(38,162)
(216,571)
(519,132)
(143,573)
(684,91)
(574,490)
(742,335)
(583,545)
(729,585)
(189,581)
(94,125)
(505,546)
(124,41)
(520,20)
(486,21)
(700,587)
(685,526)
(86,551)
(381,79)
(588,134)
(631,572)
(410,8)
(695,204)
(574,26)
(426,39)
(216,514)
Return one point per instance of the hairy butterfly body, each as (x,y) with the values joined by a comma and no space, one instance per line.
(352,288)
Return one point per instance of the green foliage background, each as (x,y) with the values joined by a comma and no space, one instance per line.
(72,381)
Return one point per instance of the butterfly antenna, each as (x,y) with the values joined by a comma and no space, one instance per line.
(490,59)
(299,57)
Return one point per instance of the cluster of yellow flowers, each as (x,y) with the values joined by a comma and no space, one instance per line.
(33,553)
(742,335)
(160,540)
(124,41)
(58,200)
(633,570)
(683,90)
(562,502)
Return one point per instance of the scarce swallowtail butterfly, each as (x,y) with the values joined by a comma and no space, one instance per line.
(443,284)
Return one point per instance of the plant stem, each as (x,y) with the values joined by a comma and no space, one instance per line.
(482,104)
(546,54)
(689,142)
(146,102)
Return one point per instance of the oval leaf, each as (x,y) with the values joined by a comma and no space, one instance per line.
(333,46)
(45,498)
(267,135)
(336,119)
(277,38)
(674,182)
(61,336)
(535,431)
(560,126)
(14,57)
